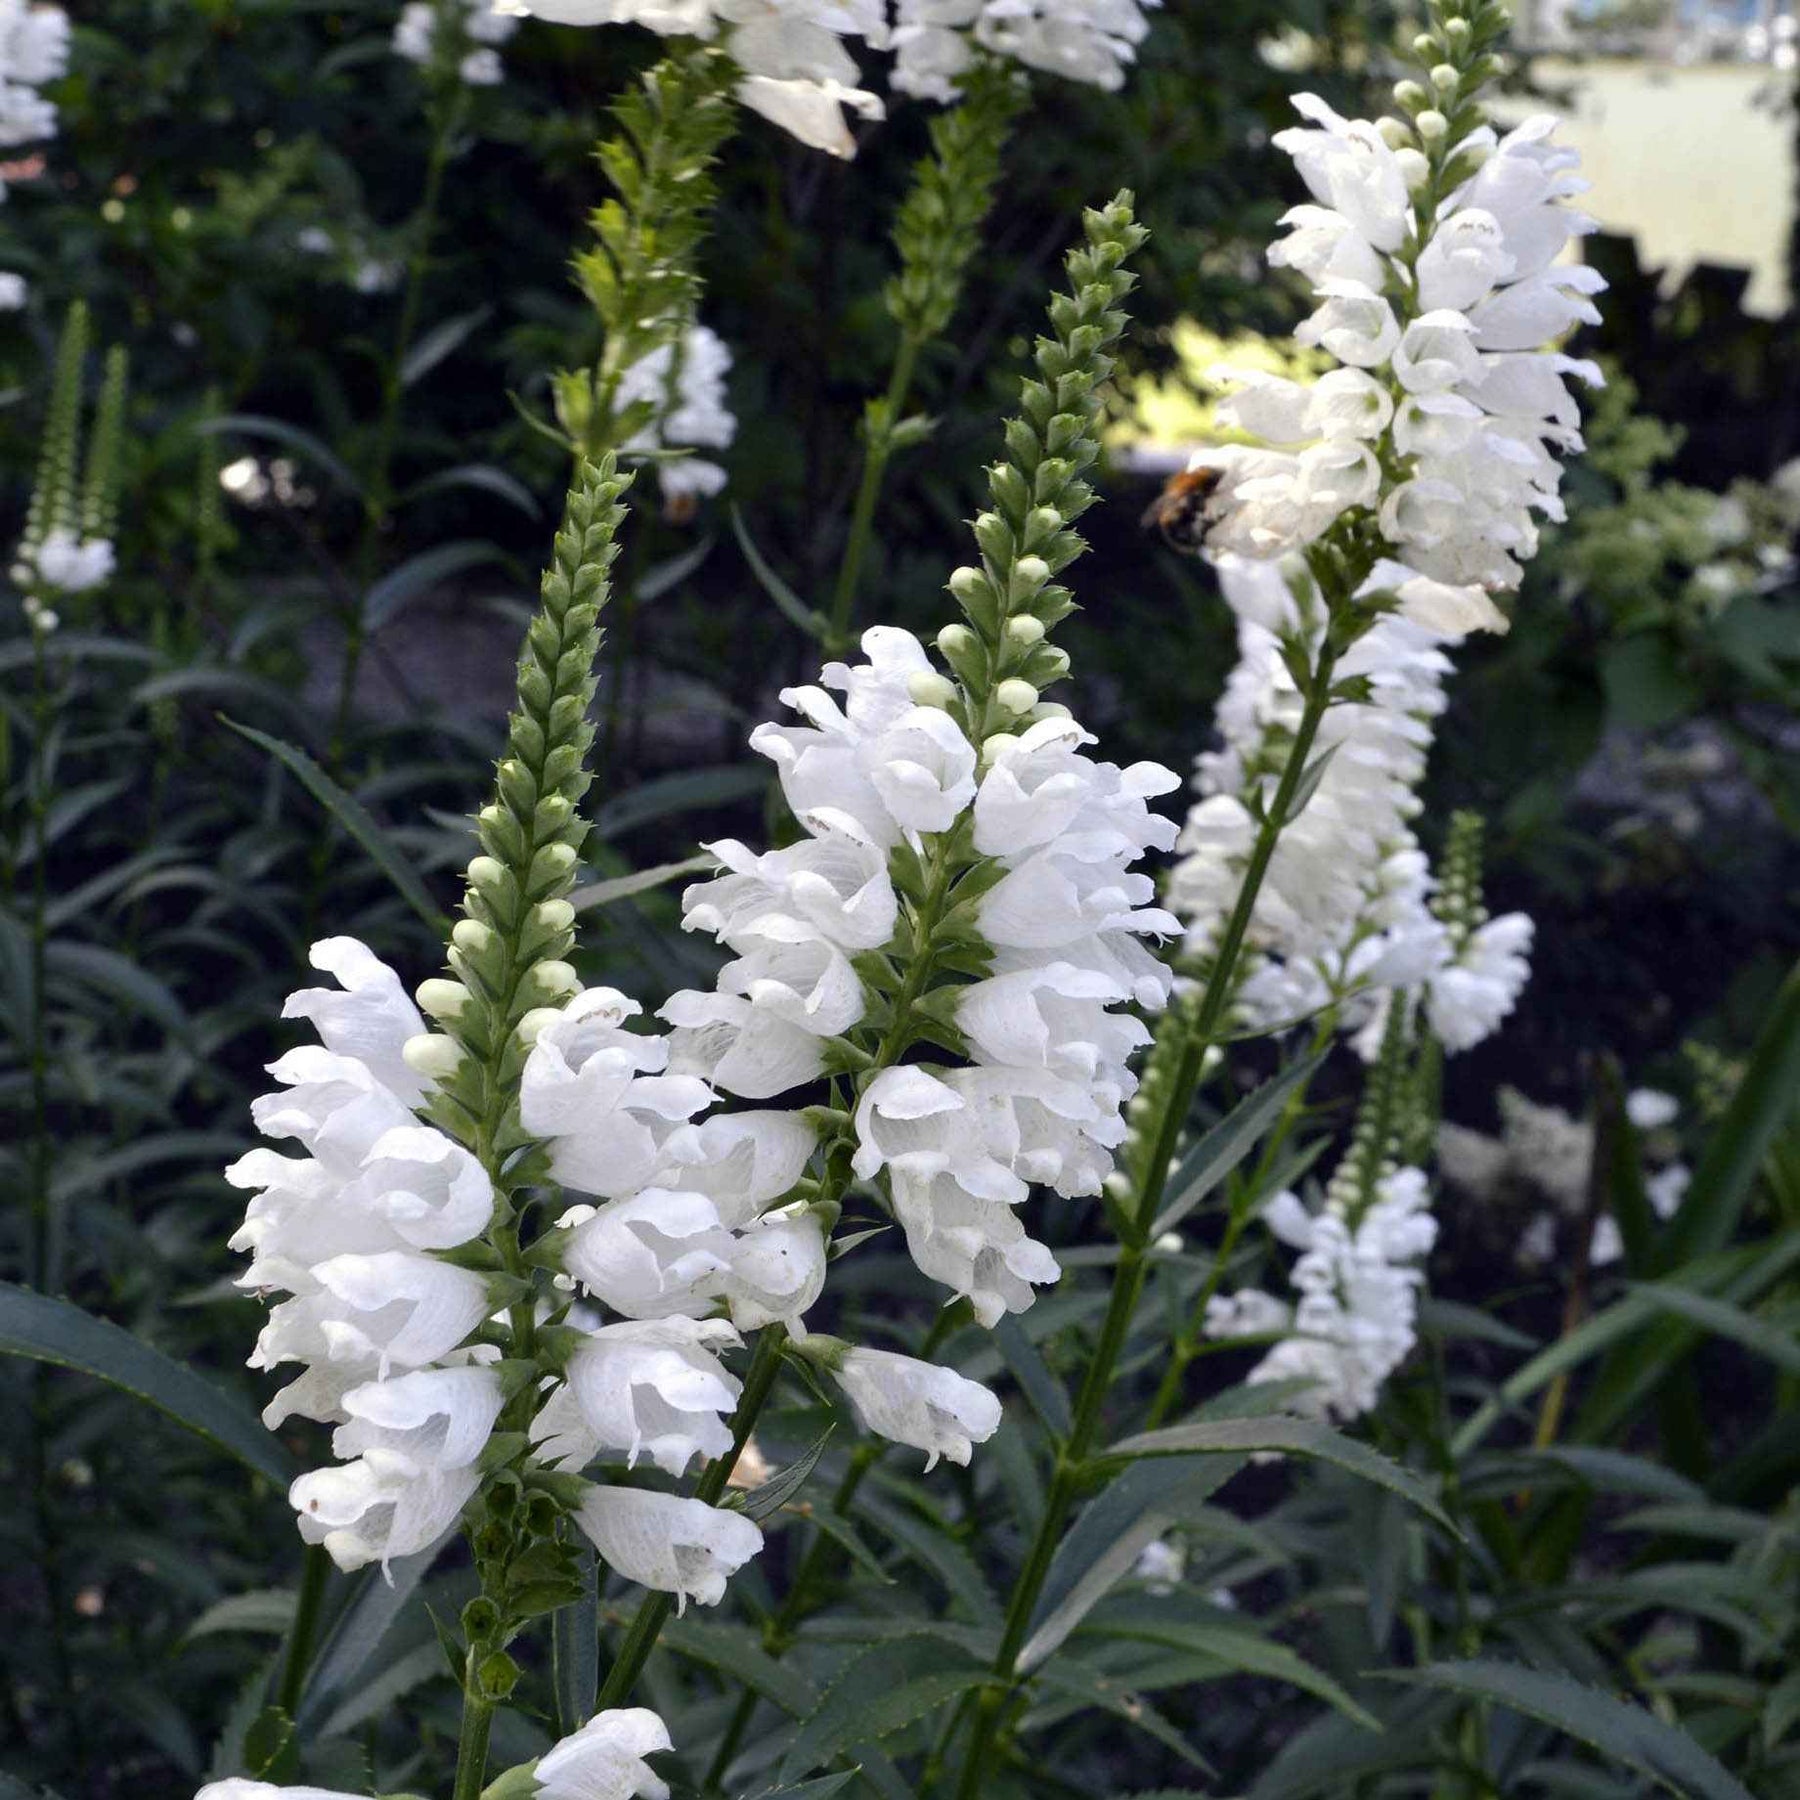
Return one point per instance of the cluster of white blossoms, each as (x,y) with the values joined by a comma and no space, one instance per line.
(1058,921)
(798,70)
(391,1331)
(687,391)
(604,1760)
(1547,1150)
(1344,917)
(34,49)
(379,1323)
(1442,421)
(474,27)
(60,565)
(1091,41)
(1357,1281)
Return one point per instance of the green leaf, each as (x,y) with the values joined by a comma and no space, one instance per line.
(1645,684)
(1105,1541)
(483,478)
(419,574)
(845,1535)
(738,1654)
(785,1483)
(1042,1389)
(1227,1144)
(672,794)
(818,1789)
(1723,1320)
(876,1694)
(1068,1677)
(575,1648)
(266,1611)
(1624,1733)
(927,1545)
(1726,1172)
(1295,1437)
(791,606)
(1235,1646)
(53,1331)
(369,1699)
(439,342)
(596,894)
(381,1597)
(354,817)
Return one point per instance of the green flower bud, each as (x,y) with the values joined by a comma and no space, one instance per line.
(1395,133)
(534,1021)
(549,980)
(1410,97)
(472,937)
(992,746)
(486,872)
(958,640)
(1029,574)
(1016,696)
(1432,125)
(1444,78)
(1024,629)
(553,915)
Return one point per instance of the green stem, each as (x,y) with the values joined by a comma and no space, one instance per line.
(472,1740)
(1129,1272)
(877,449)
(641,1635)
(315,1571)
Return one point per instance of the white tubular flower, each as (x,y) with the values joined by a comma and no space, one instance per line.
(1466,1000)
(1440,306)
(34,49)
(239,1787)
(687,392)
(796,71)
(584,1091)
(1355,1320)
(740,1161)
(604,1760)
(918,1403)
(1342,914)
(777,1269)
(73,565)
(651,1254)
(367,1016)
(655,1388)
(414,1442)
(393,1308)
(473,27)
(677,1546)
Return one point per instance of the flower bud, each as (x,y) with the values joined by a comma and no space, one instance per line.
(993,746)
(549,980)
(1016,696)
(485,871)
(1029,574)
(552,863)
(472,937)
(1410,96)
(965,583)
(926,687)
(1457,31)
(432,1055)
(1444,78)
(1169,1243)
(1395,133)
(1025,629)
(442,999)
(1117,1185)
(1432,125)
(1424,45)
(534,1021)
(1049,709)
(1415,168)
(553,915)
(957,640)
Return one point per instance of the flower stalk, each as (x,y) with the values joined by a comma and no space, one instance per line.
(936,235)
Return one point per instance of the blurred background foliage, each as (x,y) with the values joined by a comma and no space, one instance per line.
(235,192)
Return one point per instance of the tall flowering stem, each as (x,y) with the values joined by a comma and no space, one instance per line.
(1170,1080)
(936,235)
(640,275)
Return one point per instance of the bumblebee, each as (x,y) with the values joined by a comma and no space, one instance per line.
(1179,511)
